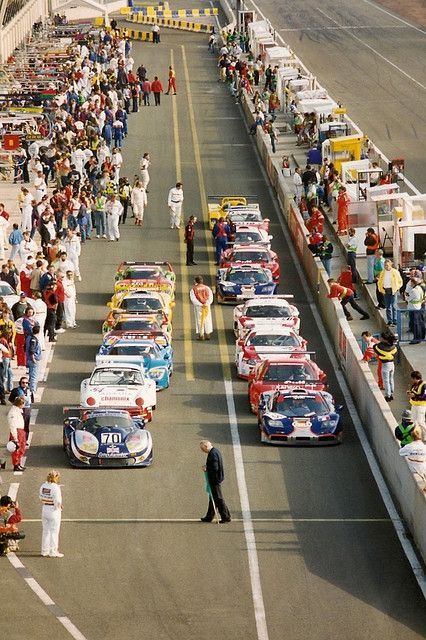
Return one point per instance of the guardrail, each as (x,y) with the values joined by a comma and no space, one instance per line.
(183,25)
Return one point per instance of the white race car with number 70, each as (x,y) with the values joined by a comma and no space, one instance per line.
(121,386)
(265,311)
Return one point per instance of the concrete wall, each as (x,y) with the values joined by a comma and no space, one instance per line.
(373,410)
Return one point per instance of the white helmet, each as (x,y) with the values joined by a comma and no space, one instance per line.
(12,446)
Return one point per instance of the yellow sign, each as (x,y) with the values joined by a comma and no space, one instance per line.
(26,109)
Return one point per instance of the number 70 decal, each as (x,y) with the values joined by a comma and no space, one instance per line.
(110,438)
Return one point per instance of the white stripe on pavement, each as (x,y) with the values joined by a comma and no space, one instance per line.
(256,586)
(179,520)
(13,490)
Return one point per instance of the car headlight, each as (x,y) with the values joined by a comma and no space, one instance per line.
(328,425)
(275,423)
(86,442)
(156,373)
(137,442)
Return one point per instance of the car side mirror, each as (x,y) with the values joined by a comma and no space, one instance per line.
(339,408)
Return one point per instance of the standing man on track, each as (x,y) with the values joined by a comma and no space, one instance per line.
(157,90)
(189,240)
(172,82)
(202,298)
(215,475)
(174,203)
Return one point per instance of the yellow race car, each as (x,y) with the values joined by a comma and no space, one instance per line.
(219,206)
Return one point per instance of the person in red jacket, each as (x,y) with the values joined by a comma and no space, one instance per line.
(346,296)
(60,294)
(345,278)
(172,82)
(10,516)
(157,90)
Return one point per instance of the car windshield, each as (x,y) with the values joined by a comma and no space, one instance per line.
(116,377)
(135,325)
(247,236)
(132,350)
(247,277)
(268,311)
(94,423)
(249,256)
(301,406)
(142,274)
(268,340)
(288,373)
(144,305)
(6,289)
(245,216)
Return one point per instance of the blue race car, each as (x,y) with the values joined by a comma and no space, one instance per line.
(240,283)
(107,438)
(299,416)
(161,339)
(157,365)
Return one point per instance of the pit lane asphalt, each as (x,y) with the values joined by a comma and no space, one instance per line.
(183,579)
(370,61)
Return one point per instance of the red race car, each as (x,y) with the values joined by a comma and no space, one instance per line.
(252,254)
(285,371)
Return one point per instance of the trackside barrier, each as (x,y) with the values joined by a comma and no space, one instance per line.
(178,13)
(374,411)
(173,24)
(135,34)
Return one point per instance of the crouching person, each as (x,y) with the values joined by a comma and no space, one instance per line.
(10,516)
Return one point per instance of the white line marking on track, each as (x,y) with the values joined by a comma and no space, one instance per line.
(400,529)
(39,591)
(174,520)
(341,28)
(392,15)
(71,628)
(256,587)
(30,438)
(13,490)
(377,53)
(33,417)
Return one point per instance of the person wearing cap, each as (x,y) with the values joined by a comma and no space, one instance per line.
(404,430)
(51,498)
(15,419)
(19,308)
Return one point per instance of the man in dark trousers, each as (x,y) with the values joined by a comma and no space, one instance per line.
(215,474)
(189,240)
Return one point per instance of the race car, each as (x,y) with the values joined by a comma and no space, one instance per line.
(107,438)
(240,283)
(299,416)
(265,311)
(245,234)
(119,385)
(144,353)
(121,321)
(125,268)
(262,344)
(140,302)
(284,371)
(249,215)
(161,339)
(145,277)
(220,205)
(254,255)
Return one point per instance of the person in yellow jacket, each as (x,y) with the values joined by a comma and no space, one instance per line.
(389,283)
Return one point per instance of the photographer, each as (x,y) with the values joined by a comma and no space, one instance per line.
(10,516)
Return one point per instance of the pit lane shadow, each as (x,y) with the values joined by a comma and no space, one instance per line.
(93,299)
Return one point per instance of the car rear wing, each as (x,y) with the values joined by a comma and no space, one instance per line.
(224,197)
(146,263)
(281,296)
(79,410)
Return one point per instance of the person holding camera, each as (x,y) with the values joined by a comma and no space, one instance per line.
(10,516)
(17,438)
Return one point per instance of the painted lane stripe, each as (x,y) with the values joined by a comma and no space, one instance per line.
(13,490)
(256,587)
(401,532)
(44,597)
(186,310)
(377,53)
(176,520)
(344,28)
(395,17)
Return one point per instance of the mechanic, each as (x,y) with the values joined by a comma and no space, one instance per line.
(51,498)
(202,298)
(139,201)
(189,240)
(215,476)
(174,202)
(172,82)
(352,248)
(417,397)
(16,424)
(23,391)
(221,231)
(346,296)
(403,432)
(10,516)
(371,242)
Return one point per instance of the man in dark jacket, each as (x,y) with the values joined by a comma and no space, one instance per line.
(215,475)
